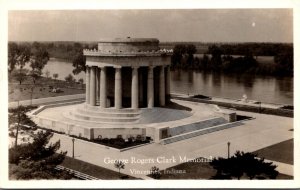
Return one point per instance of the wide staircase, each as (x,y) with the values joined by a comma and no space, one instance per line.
(104,115)
(159,115)
(199,128)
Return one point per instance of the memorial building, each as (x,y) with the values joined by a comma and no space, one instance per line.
(128,96)
(127,73)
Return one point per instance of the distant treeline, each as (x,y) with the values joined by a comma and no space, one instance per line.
(220,58)
(61,50)
(257,48)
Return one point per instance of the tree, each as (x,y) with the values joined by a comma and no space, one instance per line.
(79,59)
(37,160)
(190,50)
(38,61)
(12,56)
(18,117)
(119,165)
(81,82)
(155,173)
(69,78)
(216,59)
(243,164)
(47,73)
(55,76)
(20,74)
(178,52)
(204,61)
(18,55)
(284,62)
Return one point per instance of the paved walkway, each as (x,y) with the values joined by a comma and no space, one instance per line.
(283,168)
(235,101)
(255,134)
(200,112)
(47,100)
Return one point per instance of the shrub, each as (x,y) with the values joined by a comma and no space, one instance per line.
(105,140)
(155,173)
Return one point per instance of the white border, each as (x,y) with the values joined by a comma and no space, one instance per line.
(140,4)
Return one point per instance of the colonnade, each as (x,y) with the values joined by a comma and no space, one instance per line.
(96,86)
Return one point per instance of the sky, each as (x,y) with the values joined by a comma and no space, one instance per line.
(203,25)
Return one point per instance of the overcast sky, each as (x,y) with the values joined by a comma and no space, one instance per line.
(204,25)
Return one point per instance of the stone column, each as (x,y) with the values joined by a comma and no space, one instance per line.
(103,87)
(97,84)
(162,94)
(87,85)
(118,88)
(135,88)
(150,88)
(167,78)
(93,86)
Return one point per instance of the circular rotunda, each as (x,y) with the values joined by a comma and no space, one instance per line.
(122,76)
(127,73)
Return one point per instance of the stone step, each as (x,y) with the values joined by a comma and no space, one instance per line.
(197,126)
(109,110)
(199,132)
(114,122)
(103,118)
(103,113)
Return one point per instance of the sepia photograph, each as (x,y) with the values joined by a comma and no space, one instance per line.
(166,94)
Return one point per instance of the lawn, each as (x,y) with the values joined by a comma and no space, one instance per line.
(93,170)
(281,152)
(42,89)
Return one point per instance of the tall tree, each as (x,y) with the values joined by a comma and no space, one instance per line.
(37,160)
(38,61)
(78,59)
(178,52)
(79,63)
(20,74)
(18,55)
(18,117)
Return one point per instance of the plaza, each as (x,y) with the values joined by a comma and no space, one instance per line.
(251,136)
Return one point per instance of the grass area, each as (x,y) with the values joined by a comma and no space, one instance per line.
(41,90)
(194,170)
(93,170)
(281,152)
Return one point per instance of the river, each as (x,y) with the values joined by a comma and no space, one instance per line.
(267,89)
